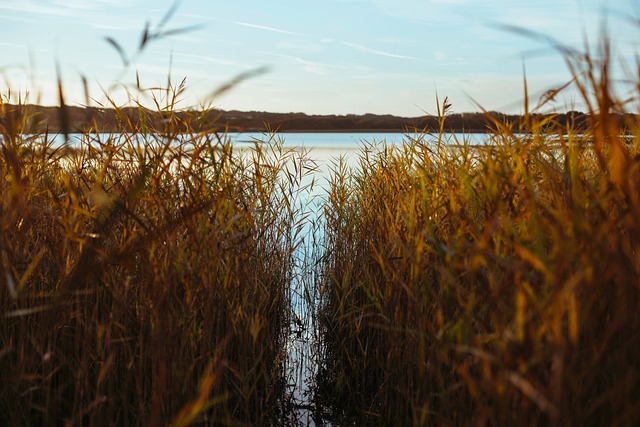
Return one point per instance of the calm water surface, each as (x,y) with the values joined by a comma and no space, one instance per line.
(323,148)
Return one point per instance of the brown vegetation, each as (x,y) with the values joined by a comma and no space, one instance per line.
(488,285)
(144,277)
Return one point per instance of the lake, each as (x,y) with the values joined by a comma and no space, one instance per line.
(321,147)
(325,147)
(318,141)
(346,141)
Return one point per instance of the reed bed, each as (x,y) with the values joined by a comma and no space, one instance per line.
(488,285)
(144,275)
(159,275)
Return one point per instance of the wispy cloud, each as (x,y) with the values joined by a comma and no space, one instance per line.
(379,52)
(59,7)
(28,6)
(199,59)
(432,11)
(113,26)
(93,5)
(266,28)
(313,67)
(98,14)
(301,45)
(118,3)
(318,67)
(75,4)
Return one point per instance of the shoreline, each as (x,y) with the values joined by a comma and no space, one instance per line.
(72,119)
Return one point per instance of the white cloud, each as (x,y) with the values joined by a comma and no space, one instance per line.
(29,6)
(191,58)
(117,3)
(265,27)
(423,10)
(75,4)
(379,52)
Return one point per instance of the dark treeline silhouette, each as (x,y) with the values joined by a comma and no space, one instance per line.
(80,119)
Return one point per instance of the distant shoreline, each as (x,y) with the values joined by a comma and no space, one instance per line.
(71,119)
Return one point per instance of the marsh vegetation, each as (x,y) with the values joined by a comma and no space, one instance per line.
(161,275)
(493,285)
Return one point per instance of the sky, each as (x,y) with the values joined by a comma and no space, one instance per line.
(310,56)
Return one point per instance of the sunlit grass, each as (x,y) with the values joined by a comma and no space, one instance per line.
(490,284)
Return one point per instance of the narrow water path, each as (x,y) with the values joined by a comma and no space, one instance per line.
(301,345)
(302,342)
(301,367)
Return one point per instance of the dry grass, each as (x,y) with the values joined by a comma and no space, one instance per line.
(144,276)
(488,285)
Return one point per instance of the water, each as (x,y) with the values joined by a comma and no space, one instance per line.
(322,141)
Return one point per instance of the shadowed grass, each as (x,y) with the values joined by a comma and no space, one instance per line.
(144,276)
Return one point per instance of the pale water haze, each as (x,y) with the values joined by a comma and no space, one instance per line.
(321,57)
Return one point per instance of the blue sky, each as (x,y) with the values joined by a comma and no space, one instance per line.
(323,57)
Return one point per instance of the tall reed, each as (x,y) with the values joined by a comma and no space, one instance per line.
(144,275)
(495,284)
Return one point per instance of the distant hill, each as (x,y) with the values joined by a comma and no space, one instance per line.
(78,119)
